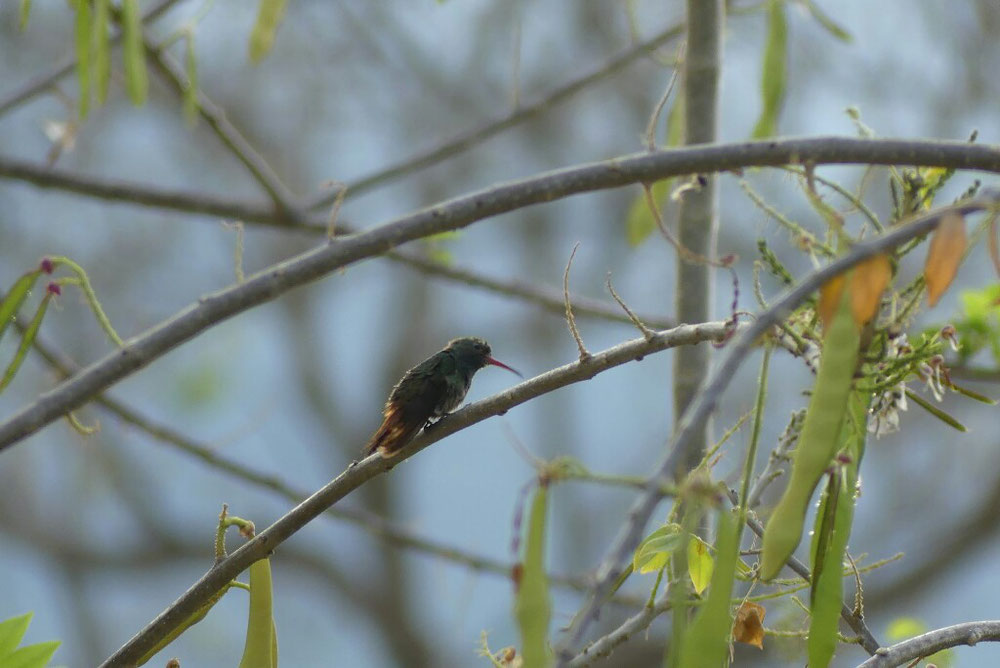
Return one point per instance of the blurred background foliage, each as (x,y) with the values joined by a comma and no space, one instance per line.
(101,532)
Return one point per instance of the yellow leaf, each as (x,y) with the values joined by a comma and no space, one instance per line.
(700,564)
(868,281)
(947,248)
(749,625)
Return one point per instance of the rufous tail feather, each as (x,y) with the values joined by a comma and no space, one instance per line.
(392,435)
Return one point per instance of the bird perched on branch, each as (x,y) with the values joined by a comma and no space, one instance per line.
(432,389)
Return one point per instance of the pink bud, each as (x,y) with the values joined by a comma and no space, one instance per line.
(53,289)
(46,265)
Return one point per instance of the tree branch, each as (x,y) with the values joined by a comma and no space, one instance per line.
(606,644)
(145,195)
(237,144)
(928,643)
(712,387)
(360,472)
(461,212)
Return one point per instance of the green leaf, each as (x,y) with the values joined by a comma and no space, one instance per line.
(82,33)
(707,640)
(935,411)
(32,656)
(102,49)
(191,85)
(700,564)
(820,437)
(260,649)
(654,551)
(773,76)
(133,53)
(12,631)
(833,528)
(25,11)
(10,303)
(824,20)
(532,607)
(269,16)
(972,394)
(26,340)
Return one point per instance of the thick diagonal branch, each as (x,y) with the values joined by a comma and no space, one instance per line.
(461,212)
(266,541)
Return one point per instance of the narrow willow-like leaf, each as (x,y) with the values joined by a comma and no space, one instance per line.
(32,656)
(773,76)
(532,607)
(191,85)
(834,521)
(707,641)
(102,49)
(819,440)
(10,304)
(259,649)
(935,411)
(269,16)
(26,341)
(824,20)
(136,80)
(25,11)
(12,630)
(82,34)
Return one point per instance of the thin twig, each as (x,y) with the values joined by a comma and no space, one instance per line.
(640,325)
(658,109)
(360,472)
(237,144)
(545,297)
(570,320)
(338,201)
(463,211)
(603,646)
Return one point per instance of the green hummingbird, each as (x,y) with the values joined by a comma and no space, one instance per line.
(432,389)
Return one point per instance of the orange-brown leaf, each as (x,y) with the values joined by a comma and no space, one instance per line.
(868,281)
(944,255)
(829,299)
(749,625)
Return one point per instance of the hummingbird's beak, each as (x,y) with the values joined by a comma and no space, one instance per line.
(490,360)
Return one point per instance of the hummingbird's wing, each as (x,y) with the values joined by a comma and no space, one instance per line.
(411,404)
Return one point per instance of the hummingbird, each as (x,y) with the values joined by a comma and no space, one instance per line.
(432,389)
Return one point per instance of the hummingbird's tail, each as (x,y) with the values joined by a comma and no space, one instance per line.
(394,433)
